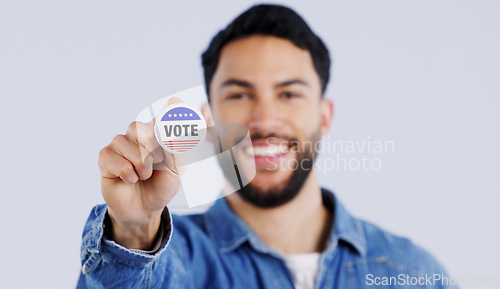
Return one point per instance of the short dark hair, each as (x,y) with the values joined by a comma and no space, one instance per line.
(272,20)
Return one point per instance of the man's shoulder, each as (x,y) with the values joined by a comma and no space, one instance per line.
(397,252)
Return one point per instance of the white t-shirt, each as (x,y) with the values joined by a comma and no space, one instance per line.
(304,268)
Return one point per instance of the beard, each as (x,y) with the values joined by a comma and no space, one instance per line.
(283,193)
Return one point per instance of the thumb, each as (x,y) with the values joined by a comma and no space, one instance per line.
(173,162)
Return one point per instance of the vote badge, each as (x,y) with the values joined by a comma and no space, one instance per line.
(180,128)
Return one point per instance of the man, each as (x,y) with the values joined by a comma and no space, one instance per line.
(268,71)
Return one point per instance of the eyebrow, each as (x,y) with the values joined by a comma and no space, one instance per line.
(246,84)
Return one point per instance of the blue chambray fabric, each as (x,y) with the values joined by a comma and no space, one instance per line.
(217,249)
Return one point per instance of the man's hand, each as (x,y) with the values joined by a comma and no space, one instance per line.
(138,179)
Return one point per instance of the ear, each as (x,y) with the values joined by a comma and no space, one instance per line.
(327,110)
(209,121)
(207,114)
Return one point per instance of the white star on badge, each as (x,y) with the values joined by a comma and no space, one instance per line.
(190,114)
(175,115)
(185,114)
(169,115)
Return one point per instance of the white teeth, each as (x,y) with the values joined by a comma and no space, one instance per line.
(268,150)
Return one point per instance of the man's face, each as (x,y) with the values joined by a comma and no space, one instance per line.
(270,85)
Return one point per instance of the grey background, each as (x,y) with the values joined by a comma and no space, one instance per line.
(423,74)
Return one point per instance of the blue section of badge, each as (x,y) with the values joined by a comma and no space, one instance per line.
(180,114)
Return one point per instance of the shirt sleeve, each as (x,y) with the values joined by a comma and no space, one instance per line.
(107,264)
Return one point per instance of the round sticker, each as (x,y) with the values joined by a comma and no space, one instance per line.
(180,128)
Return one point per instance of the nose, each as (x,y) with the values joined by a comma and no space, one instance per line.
(266,117)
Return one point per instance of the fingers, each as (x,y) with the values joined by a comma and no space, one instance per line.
(174,100)
(134,156)
(175,163)
(114,166)
(137,155)
(126,160)
(142,134)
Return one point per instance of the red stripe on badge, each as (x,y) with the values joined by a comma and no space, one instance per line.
(181,145)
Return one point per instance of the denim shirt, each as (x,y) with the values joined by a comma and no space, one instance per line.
(217,249)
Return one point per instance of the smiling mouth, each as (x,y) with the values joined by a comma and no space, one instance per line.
(268,150)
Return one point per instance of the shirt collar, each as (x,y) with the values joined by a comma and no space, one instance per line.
(229,231)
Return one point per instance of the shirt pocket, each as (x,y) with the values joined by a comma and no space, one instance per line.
(380,272)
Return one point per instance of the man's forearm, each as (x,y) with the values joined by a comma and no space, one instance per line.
(135,236)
